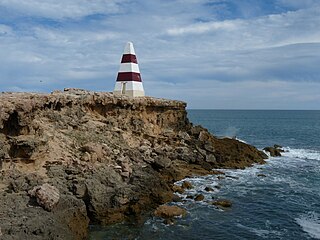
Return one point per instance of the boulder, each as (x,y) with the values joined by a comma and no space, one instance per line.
(185,136)
(274,151)
(93,151)
(47,196)
(199,197)
(203,136)
(209,189)
(161,162)
(165,211)
(186,185)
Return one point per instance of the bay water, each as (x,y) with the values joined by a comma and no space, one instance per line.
(277,200)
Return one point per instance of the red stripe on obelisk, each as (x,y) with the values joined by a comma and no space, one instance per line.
(128,76)
(129,58)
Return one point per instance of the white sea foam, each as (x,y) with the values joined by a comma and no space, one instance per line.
(263,233)
(199,184)
(302,153)
(310,223)
(240,140)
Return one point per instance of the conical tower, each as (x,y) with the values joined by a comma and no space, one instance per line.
(129,80)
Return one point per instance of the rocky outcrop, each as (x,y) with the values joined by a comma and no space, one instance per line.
(111,158)
(274,151)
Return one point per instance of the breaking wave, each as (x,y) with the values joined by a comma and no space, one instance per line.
(310,223)
(302,153)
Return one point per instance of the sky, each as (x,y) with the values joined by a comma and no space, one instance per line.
(213,54)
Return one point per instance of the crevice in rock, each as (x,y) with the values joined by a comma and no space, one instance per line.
(90,213)
(11,126)
(21,150)
(58,106)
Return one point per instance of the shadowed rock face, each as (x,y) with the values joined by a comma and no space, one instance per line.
(111,159)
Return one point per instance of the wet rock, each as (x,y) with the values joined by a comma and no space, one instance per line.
(165,211)
(169,221)
(209,189)
(221,177)
(177,189)
(199,197)
(274,151)
(277,146)
(222,203)
(186,185)
(261,175)
(217,172)
(232,177)
(47,196)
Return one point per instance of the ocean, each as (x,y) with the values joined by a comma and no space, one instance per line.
(277,200)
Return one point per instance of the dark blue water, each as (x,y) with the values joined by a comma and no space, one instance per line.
(285,204)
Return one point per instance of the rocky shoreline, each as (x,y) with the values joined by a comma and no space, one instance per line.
(106,159)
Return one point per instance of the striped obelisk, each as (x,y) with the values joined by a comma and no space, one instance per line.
(129,80)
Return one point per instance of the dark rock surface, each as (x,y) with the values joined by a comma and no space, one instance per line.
(274,151)
(222,203)
(110,158)
(199,197)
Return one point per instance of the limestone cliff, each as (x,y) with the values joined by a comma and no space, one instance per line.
(111,159)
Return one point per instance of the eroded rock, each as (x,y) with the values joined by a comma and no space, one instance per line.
(47,196)
(110,157)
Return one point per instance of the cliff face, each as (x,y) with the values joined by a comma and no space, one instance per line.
(111,158)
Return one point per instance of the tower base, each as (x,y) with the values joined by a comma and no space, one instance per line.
(130,89)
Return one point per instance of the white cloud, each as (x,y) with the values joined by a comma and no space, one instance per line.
(229,63)
(5,30)
(62,9)
(201,28)
(263,32)
(251,94)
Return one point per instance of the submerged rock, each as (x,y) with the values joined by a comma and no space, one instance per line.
(208,189)
(261,175)
(222,203)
